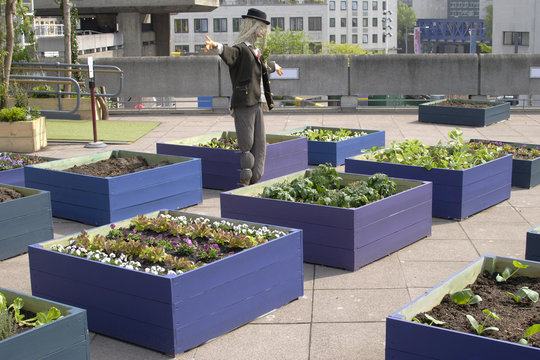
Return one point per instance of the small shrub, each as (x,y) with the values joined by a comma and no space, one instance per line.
(42,87)
(19,114)
(8,325)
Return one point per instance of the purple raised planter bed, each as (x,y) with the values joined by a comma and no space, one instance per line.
(457,194)
(341,237)
(172,313)
(532,248)
(406,339)
(335,152)
(221,167)
(432,112)
(101,200)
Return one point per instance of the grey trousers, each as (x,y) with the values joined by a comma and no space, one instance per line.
(249,124)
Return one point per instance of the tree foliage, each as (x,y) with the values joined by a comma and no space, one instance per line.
(405,24)
(344,49)
(287,42)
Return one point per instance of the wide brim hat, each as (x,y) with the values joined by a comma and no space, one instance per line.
(256,14)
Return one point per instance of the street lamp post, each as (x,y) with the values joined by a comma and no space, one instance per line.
(386,19)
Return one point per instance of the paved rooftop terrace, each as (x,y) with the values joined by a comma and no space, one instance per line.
(342,314)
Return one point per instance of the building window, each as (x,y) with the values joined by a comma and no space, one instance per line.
(384,5)
(236,24)
(508,38)
(364,38)
(374,38)
(355,5)
(355,39)
(332,22)
(220,25)
(332,39)
(315,23)
(182,49)
(374,22)
(181,26)
(343,5)
(364,5)
(297,24)
(332,5)
(343,22)
(364,22)
(277,22)
(343,39)
(200,25)
(374,5)
(354,22)
(199,48)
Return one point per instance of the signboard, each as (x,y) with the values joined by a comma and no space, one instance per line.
(535,72)
(288,74)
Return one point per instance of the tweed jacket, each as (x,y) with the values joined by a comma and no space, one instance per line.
(246,72)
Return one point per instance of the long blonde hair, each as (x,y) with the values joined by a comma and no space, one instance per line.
(248,32)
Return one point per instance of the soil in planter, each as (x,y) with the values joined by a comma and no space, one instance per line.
(115,166)
(7,194)
(515,317)
(456,103)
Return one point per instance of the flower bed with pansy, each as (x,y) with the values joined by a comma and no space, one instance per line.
(10,161)
(167,244)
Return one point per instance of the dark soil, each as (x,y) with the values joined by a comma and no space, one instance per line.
(7,194)
(457,103)
(515,317)
(115,166)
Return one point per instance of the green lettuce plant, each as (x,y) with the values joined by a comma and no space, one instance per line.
(465,297)
(430,320)
(329,134)
(480,328)
(508,273)
(533,329)
(523,293)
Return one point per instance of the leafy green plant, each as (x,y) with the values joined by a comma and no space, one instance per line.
(328,134)
(523,293)
(18,114)
(480,328)
(47,92)
(465,297)
(8,325)
(221,143)
(533,329)
(431,320)
(508,273)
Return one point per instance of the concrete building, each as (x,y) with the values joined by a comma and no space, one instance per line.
(516,27)
(338,21)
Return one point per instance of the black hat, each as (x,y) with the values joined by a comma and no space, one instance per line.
(256,14)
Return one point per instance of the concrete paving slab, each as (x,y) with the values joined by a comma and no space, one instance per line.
(438,250)
(429,273)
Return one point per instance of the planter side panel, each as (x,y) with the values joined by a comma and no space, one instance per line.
(237,290)
(12,177)
(526,173)
(532,249)
(463,116)
(25,221)
(285,157)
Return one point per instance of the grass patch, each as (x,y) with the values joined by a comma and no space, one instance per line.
(107,130)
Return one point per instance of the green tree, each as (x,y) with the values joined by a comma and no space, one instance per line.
(488,22)
(287,42)
(406,21)
(344,49)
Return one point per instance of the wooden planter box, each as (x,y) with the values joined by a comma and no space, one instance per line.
(16,176)
(532,249)
(24,221)
(335,152)
(97,200)
(221,167)
(457,194)
(525,173)
(430,112)
(172,313)
(406,339)
(62,339)
(341,237)
(23,136)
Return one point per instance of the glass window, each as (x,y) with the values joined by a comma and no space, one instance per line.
(354,22)
(181,26)
(375,5)
(522,38)
(199,48)
(384,5)
(343,22)
(200,25)
(364,5)
(374,22)
(277,22)
(220,25)
(364,38)
(355,5)
(355,39)
(343,5)
(332,22)
(182,49)
(374,38)
(236,24)
(343,39)
(315,23)
(332,38)
(365,22)
(297,24)
(332,5)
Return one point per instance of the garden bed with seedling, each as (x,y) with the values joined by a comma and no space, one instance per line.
(12,164)
(333,145)
(463,112)
(488,310)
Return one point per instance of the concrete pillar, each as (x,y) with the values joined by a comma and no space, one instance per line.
(221,104)
(130,24)
(349,103)
(161,24)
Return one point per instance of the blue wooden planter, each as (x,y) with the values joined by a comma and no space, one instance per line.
(430,112)
(335,152)
(221,167)
(341,237)
(532,249)
(98,200)
(525,173)
(24,221)
(406,339)
(172,313)
(62,339)
(15,176)
(457,194)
